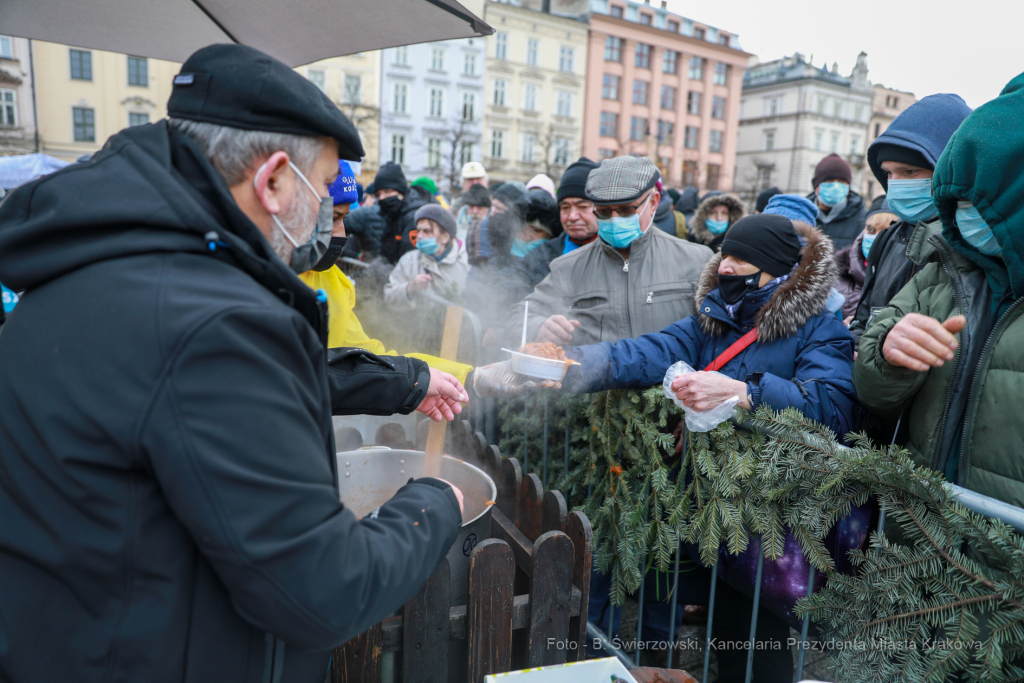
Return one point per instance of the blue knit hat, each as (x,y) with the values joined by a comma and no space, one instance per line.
(343,190)
(918,134)
(794,207)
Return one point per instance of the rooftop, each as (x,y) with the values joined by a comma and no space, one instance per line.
(797,67)
(659,17)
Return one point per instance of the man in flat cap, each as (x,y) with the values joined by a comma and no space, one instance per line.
(169,504)
(630,281)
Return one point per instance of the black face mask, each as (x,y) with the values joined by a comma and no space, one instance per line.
(390,207)
(332,254)
(735,287)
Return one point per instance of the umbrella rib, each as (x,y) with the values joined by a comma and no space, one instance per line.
(214,20)
(476,24)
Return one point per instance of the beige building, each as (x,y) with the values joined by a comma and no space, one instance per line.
(353,83)
(535,92)
(85,96)
(888,104)
(17,115)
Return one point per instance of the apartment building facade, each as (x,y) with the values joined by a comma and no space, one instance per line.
(888,104)
(665,86)
(17,101)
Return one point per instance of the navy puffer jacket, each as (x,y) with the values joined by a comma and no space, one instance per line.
(803,357)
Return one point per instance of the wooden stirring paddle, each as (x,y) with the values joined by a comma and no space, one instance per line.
(435,437)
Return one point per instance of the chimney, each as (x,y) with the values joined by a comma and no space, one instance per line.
(664,4)
(835,67)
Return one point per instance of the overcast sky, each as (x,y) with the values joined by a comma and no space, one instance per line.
(971,47)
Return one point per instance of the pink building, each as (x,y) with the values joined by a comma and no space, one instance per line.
(665,86)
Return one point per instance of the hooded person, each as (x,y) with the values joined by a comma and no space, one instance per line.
(170,506)
(946,352)
(852,261)
(398,206)
(841,211)
(903,158)
(713,217)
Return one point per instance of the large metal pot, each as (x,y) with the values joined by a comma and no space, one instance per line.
(369,477)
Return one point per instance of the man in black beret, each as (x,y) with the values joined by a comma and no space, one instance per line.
(170,505)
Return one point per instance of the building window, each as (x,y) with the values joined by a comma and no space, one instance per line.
(468,106)
(135,119)
(769,140)
(715,141)
(692,138)
(317,78)
(646,19)
(696,68)
(402,55)
(6,47)
(610,87)
(714,170)
(643,56)
(605,153)
(529,140)
(637,128)
(401,98)
(353,85)
(721,76)
(693,101)
(562,151)
(723,39)
(465,153)
(837,109)
(772,106)
(819,138)
(821,104)
(138,72)
(673,26)
(878,129)
(8,108)
(668,97)
(858,112)
(530,97)
(617,11)
(469,64)
(436,102)
(834,142)
(670,62)
(85,124)
(698,33)
(499,93)
(437,59)
(640,91)
(609,124)
(398,149)
(564,103)
(854,144)
(497,144)
(665,132)
(612,49)
(690,173)
(717,107)
(531,51)
(566,57)
(81,65)
(500,45)
(434,152)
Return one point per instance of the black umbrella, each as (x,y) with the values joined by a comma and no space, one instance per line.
(296,32)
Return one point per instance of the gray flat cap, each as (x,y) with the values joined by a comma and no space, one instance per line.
(621,180)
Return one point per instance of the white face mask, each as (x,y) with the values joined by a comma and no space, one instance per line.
(308,254)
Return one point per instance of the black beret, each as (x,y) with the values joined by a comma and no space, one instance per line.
(241,87)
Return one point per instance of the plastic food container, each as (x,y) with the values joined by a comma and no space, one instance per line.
(587,671)
(541,368)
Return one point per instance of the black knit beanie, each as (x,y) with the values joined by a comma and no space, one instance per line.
(477,195)
(764,197)
(765,240)
(390,176)
(832,167)
(574,180)
(903,155)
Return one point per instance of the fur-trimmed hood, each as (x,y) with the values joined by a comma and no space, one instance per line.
(796,300)
(699,231)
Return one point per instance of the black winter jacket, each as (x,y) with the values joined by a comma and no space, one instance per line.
(844,229)
(365,226)
(169,500)
(399,233)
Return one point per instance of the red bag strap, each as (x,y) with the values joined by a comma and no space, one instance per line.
(733,351)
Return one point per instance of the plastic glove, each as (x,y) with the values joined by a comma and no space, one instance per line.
(498,381)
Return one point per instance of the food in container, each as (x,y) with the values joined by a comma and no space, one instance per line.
(541,360)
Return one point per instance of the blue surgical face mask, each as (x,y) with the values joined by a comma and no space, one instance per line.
(911,200)
(716,227)
(521,248)
(427,245)
(975,230)
(619,231)
(831,194)
(866,242)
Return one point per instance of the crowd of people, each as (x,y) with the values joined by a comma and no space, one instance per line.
(186,332)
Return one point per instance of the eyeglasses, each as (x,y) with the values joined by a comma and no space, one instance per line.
(625,211)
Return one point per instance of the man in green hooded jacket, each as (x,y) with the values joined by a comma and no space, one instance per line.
(948,352)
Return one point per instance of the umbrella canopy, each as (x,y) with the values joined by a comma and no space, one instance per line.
(294,32)
(18,170)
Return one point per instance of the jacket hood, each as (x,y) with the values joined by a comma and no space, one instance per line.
(984,165)
(795,301)
(688,201)
(700,231)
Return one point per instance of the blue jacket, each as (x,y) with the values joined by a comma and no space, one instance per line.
(802,359)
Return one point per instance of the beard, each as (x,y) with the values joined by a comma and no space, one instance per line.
(300,222)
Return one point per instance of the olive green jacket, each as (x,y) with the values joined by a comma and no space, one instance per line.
(974,400)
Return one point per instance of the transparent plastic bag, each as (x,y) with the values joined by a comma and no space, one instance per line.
(697,421)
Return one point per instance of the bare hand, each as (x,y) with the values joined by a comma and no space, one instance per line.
(419,283)
(458,494)
(703,391)
(557,329)
(444,398)
(919,342)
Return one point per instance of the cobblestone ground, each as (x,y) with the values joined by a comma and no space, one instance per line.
(816,664)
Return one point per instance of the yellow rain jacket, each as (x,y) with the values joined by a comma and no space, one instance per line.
(345,329)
